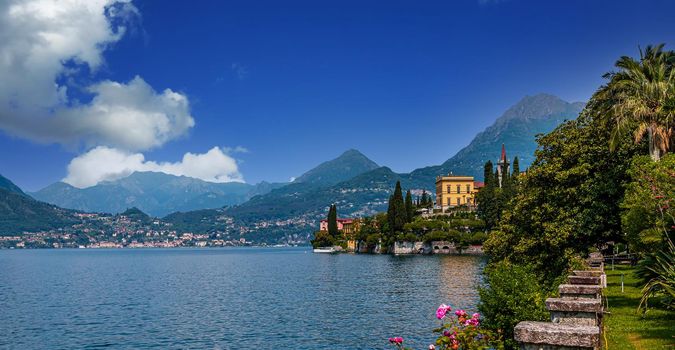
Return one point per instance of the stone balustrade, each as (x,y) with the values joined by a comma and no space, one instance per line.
(576,316)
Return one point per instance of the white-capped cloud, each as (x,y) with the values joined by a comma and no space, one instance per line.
(43,44)
(105,163)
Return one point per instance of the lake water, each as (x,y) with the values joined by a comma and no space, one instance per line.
(229,298)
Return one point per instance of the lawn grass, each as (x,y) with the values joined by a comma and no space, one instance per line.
(625,327)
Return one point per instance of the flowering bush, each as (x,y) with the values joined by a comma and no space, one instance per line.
(460,332)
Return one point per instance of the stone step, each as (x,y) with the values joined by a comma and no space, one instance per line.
(542,334)
(574,305)
(576,291)
(587,273)
(583,280)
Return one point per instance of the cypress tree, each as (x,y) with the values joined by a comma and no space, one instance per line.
(409,210)
(516,167)
(487,173)
(391,213)
(399,209)
(332,221)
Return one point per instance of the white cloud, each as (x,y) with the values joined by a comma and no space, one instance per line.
(104,163)
(44,42)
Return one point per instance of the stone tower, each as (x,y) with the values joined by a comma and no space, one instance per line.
(502,166)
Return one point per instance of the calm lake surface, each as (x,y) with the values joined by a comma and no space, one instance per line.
(229,298)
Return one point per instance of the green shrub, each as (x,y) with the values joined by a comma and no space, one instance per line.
(372,240)
(657,273)
(407,237)
(435,236)
(511,294)
(322,239)
(478,238)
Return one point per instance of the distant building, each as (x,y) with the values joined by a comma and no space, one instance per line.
(456,190)
(502,165)
(347,226)
(349,229)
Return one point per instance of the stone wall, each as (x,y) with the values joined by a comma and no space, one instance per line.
(576,316)
(411,248)
(435,247)
(443,247)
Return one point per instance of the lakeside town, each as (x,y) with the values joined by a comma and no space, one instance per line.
(455,195)
(131,229)
(447,175)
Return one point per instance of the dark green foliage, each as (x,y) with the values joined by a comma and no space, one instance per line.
(425,201)
(516,167)
(569,200)
(648,218)
(323,239)
(137,215)
(409,208)
(488,170)
(511,294)
(396,213)
(368,227)
(657,273)
(436,235)
(488,198)
(332,221)
(19,213)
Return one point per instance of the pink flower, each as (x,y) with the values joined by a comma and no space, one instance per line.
(396,340)
(471,322)
(432,347)
(442,310)
(451,336)
(475,316)
(460,313)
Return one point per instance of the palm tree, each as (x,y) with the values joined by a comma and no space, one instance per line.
(640,96)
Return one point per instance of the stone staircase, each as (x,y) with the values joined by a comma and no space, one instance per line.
(576,316)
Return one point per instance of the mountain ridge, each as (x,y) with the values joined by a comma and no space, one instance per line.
(295,209)
(157,194)
(349,164)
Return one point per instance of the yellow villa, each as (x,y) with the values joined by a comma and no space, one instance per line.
(456,190)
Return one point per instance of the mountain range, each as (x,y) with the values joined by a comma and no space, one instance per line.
(275,212)
(20,213)
(157,194)
(296,208)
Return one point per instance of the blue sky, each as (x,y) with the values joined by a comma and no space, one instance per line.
(296,83)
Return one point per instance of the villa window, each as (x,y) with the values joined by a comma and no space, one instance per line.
(449,189)
(459,201)
(468,188)
(459,189)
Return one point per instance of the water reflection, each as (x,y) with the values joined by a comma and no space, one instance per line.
(460,277)
(226,298)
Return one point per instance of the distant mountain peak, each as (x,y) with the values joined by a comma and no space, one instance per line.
(349,164)
(8,185)
(155,193)
(539,106)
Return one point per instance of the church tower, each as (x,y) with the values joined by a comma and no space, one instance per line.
(502,166)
